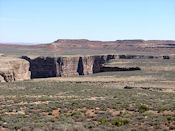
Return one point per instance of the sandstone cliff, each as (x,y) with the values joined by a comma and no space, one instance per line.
(66,66)
(42,67)
(13,69)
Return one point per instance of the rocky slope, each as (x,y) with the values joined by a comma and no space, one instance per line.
(13,69)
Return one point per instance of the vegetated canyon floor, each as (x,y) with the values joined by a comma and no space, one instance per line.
(122,100)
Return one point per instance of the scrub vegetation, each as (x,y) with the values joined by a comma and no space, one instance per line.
(52,105)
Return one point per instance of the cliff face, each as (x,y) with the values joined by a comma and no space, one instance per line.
(68,66)
(13,69)
(43,67)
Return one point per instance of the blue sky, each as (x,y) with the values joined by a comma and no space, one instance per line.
(38,21)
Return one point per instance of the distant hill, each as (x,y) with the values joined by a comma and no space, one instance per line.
(118,44)
(84,46)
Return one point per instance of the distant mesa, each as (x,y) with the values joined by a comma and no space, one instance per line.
(64,45)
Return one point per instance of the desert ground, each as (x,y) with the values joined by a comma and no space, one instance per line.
(138,100)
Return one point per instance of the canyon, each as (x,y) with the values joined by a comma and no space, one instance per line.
(24,62)
(65,66)
(25,68)
(68,66)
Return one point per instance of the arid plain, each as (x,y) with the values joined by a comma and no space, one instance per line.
(88,85)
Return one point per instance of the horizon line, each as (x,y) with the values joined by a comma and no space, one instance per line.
(28,43)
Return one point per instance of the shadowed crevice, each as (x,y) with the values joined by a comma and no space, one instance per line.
(80,67)
(109,69)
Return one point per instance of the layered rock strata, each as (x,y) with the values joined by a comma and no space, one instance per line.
(67,66)
(43,67)
(13,69)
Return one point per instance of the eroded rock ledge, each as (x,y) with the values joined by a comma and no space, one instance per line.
(42,67)
(13,69)
(66,66)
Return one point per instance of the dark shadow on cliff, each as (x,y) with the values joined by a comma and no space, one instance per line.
(80,67)
(109,69)
(42,67)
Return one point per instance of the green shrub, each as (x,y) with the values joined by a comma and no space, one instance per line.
(75,103)
(67,114)
(52,119)
(35,117)
(104,122)
(50,113)
(115,97)
(159,111)
(143,108)
(120,122)
(172,128)
(170,118)
(0,118)
(76,113)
